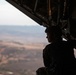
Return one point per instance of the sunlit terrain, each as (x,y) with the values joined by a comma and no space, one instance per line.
(21,49)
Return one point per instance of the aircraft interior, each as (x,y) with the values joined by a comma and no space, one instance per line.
(50,13)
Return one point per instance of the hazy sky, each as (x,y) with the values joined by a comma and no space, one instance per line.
(9,15)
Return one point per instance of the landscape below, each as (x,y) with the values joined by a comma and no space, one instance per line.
(21,49)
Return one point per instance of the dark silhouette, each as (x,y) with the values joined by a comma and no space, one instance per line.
(58,56)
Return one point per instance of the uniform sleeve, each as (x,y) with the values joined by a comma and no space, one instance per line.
(46,57)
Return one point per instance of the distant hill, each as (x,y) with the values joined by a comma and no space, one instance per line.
(24,33)
(22,29)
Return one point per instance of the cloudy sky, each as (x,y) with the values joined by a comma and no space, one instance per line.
(9,15)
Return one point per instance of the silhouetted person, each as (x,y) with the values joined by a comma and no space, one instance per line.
(58,56)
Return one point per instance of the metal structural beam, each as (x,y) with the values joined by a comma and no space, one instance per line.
(35,9)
